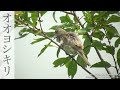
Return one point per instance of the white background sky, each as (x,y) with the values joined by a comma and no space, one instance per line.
(27,65)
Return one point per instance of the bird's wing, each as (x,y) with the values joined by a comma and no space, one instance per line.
(75,41)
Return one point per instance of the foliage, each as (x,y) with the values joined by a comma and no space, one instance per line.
(97,27)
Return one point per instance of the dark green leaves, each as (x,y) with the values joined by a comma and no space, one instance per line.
(117,42)
(43,12)
(97,44)
(25,16)
(54,27)
(98,34)
(61,61)
(22,36)
(44,48)
(114,18)
(65,19)
(101,64)
(38,40)
(23,32)
(72,69)
(81,62)
(88,17)
(82,31)
(75,20)
(34,17)
(87,45)
(71,65)
(110,49)
(111,31)
(50,34)
(118,57)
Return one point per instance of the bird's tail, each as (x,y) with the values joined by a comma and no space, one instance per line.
(81,53)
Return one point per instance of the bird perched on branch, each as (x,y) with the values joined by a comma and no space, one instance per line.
(71,43)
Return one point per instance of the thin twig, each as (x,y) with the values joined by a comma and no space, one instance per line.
(67,12)
(77,19)
(81,17)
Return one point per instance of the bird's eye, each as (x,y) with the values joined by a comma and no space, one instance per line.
(56,31)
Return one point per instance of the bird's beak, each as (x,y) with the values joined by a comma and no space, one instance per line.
(55,36)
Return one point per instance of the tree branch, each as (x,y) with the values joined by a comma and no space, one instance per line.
(112,55)
(71,57)
(67,12)
(77,19)
(44,35)
(91,42)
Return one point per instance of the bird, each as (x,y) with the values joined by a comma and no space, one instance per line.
(70,42)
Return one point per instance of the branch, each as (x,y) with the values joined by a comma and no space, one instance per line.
(71,57)
(91,42)
(67,12)
(77,19)
(112,55)
(44,35)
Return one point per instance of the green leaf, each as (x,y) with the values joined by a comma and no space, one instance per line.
(98,34)
(26,30)
(75,20)
(82,31)
(22,33)
(54,27)
(65,19)
(19,12)
(67,64)
(58,51)
(101,64)
(43,49)
(61,61)
(118,57)
(25,16)
(72,69)
(87,46)
(43,12)
(111,31)
(88,17)
(81,62)
(38,40)
(50,34)
(114,18)
(54,16)
(50,45)
(97,44)
(22,36)
(110,49)
(34,17)
(117,42)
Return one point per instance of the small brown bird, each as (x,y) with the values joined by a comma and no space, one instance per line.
(71,43)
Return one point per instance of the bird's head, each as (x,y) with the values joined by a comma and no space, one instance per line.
(59,32)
